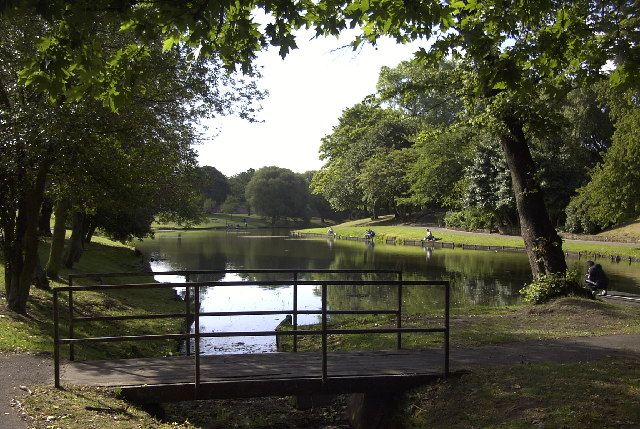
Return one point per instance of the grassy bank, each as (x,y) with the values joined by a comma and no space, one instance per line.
(403,232)
(601,394)
(566,317)
(34,333)
(223,220)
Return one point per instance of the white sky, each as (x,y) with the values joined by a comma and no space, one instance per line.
(308,91)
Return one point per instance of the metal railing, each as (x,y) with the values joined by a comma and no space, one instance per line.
(324,312)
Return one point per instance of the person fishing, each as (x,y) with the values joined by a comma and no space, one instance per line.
(596,279)
(429,236)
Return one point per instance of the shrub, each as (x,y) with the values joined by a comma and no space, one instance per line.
(470,219)
(550,286)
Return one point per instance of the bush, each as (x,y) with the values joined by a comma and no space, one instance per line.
(580,216)
(551,286)
(470,219)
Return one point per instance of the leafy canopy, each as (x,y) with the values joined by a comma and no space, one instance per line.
(522,47)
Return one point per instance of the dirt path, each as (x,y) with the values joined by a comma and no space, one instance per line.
(18,370)
(575,349)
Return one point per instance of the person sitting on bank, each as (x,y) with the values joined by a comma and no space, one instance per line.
(330,231)
(429,236)
(369,234)
(596,279)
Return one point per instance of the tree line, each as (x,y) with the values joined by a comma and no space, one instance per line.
(514,71)
(272,192)
(419,145)
(93,164)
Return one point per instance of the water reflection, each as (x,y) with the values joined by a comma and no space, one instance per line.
(477,277)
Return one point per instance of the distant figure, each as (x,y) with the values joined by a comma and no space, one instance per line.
(429,236)
(330,231)
(596,279)
(369,234)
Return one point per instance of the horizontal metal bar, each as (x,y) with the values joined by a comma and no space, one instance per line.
(126,338)
(257,283)
(275,312)
(154,337)
(383,331)
(245,313)
(318,332)
(346,312)
(226,313)
(240,271)
(129,317)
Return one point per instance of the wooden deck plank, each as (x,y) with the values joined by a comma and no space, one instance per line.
(254,367)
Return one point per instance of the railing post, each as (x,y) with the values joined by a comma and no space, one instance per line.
(324,332)
(295,311)
(196,346)
(56,341)
(72,353)
(447,299)
(187,313)
(399,313)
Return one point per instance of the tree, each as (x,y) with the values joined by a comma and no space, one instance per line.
(278,192)
(213,185)
(523,55)
(69,147)
(442,154)
(383,180)
(490,182)
(236,201)
(613,194)
(431,93)
(318,205)
(363,131)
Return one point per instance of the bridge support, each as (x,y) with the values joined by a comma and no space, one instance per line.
(375,410)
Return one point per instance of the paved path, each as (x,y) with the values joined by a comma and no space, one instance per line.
(28,370)
(20,370)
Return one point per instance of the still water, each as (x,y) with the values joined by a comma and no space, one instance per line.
(478,278)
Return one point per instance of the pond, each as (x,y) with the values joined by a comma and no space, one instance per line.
(478,278)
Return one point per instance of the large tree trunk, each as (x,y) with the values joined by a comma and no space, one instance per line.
(542,242)
(44,222)
(76,245)
(25,249)
(57,240)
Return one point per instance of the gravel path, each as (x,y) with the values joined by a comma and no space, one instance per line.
(18,370)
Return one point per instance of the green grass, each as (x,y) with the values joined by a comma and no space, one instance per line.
(565,317)
(628,232)
(87,408)
(601,394)
(403,232)
(221,220)
(34,333)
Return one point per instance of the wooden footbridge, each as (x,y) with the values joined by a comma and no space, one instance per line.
(196,376)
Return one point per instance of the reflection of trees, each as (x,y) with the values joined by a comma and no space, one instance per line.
(477,277)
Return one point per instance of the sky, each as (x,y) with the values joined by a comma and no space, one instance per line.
(308,91)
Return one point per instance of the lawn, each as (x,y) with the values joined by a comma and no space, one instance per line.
(403,232)
(34,333)
(562,318)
